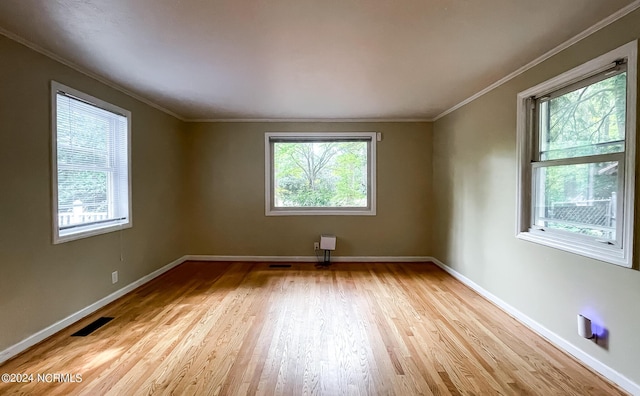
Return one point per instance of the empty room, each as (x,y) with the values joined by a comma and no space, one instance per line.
(431,197)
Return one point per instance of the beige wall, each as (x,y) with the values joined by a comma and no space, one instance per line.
(475,185)
(197,189)
(227,191)
(42,283)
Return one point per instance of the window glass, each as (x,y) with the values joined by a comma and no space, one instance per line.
(320,173)
(91,153)
(580,198)
(586,121)
(576,155)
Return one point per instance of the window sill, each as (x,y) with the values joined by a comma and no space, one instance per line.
(608,254)
(86,232)
(320,212)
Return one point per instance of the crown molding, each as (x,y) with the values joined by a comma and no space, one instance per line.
(111,84)
(585,33)
(82,70)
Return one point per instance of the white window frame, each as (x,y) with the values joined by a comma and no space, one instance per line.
(270,210)
(620,253)
(60,236)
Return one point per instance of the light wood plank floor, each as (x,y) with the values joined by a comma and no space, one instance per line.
(357,329)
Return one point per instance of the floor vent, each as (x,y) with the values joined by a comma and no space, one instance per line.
(280,266)
(90,328)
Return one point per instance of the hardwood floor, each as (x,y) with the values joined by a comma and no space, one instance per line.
(357,329)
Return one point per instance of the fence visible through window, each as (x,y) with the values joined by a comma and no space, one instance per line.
(589,217)
(77,216)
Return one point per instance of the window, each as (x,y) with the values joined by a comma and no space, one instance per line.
(576,142)
(320,173)
(91,180)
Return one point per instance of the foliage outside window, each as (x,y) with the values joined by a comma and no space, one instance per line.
(577,154)
(91,165)
(328,173)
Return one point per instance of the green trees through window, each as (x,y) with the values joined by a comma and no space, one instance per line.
(576,158)
(91,182)
(320,174)
(587,121)
(83,142)
(581,146)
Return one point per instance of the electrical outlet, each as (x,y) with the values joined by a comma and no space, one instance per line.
(316,246)
(114,277)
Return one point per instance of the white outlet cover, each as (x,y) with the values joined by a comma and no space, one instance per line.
(114,277)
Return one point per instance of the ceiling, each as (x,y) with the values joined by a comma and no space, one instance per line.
(301,59)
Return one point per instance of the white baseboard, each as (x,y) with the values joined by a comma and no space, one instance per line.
(552,337)
(71,319)
(560,342)
(313,259)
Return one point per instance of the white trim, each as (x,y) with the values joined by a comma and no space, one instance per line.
(630,151)
(523,150)
(90,230)
(311,259)
(552,337)
(628,50)
(577,245)
(73,318)
(585,33)
(370,210)
(620,254)
(322,212)
(86,72)
(57,239)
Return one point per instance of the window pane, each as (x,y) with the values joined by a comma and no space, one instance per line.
(82,196)
(68,155)
(92,165)
(578,198)
(320,174)
(586,121)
